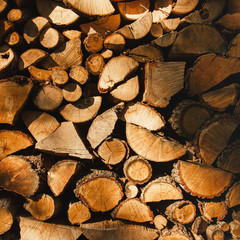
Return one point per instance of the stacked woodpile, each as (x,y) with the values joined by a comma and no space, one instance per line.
(119,119)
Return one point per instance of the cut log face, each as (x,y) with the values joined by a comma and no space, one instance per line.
(60,175)
(151,146)
(112,151)
(181,211)
(212,210)
(133,210)
(139,28)
(103,26)
(100,191)
(214,232)
(93,42)
(116,71)
(103,125)
(40,124)
(81,111)
(233,195)
(78,213)
(162,188)
(234,47)
(137,170)
(156,30)
(13,141)
(92,8)
(95,64)
(199,225)
(14,93)
(72,92)
(71,34)
(212,138)
(162,81)
(14,39)
(184,6)
(162,10)
(206,40)
(201,180)
(160,222)
(56,12)
(17,175)
(201,80)
(59,76)
(165,40)
(79,74)
(170,24)
(17,16)
(142,115)
(65,141)
(235,229)
(131,190)
(230,21)
(109,230)
(178,232)
(30,227)
(40,75)
(115,42)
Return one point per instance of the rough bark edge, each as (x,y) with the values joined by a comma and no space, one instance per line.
(229,193)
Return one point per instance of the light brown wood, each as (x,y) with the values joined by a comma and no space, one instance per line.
(60,175)
(40,75)
(162,9)
(115,42)
(71,34)
(230,21)
(18,175)
(99,190)
(134,210)
(160,189)
(235,229)
(160,85)
(79,74)
(3,6)
(30,227)
(116,71)
(165,40)
(78,213)
(17,16)
(30,57)
(201,80)
(71,146)
(156,30)
(39,124)
(94,64)
(56,12)
(14,40)
(72,92)
(206,40)
(223,226)
(170,24)
(234,47)
(184,6)
(59,76)
(142,115)
(233,6)
(131,190)
(93,43)
(81,111)
(201,180)
(213,232)
(14,92)
(178,232)
(182,212)
(48,97)
(107,54)
(102,126)
(232,197)
(199,225)
(160,222)
(66,55)
(12,141)
(42,206)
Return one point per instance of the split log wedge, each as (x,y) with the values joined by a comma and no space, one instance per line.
(178,232)
(184,6)
(199,225)
(214,232)
(234,47)
(233,195)
(115,42)
(165,40)
(40,75)
(59,76)
(235,229)
(79,74)
(230,21)
(162,9)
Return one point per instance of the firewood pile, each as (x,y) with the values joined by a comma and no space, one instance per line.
(119,119)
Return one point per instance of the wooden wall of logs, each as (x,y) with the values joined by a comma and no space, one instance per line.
(119,119)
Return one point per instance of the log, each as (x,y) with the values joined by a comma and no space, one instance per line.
(102,126)
(131,190)
(78,213)
(116,229)
(18,175)
(30,57)
(93,43)
(184,6)
(59,76)
(103,26)
(14,40)
(223,226)
(8,61)
(115,42)
(107,54)
(95,64)
(178,232)
(133,209)
(152,146)
(43,206)
(212,138)
(182,212)
(116,71)
(206,40)
(3,6)
(212,210)
(133,10)
(230,21)
(214,232)
(199,225)
(40,75)
(56,12)
(5,27)
(17,16)
(170,24)
(233,6)
(72,92)
(165,40)
(112,151)
(201,180)
(12,141)
(71,34)
(139,28)
(99,190)
(142,115)
(137,170)
(30,227)
(79,74)
(235,229)
(188,116)
(66,55)
(160,222)
(14,92)
(156,30)
(61,174)
(81,111)
(91,7)
(162,81)
(201,80)
(232,197)
(162,9)
(71,146)
(39,124)
(160,189)
(48,97)
(234,47)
